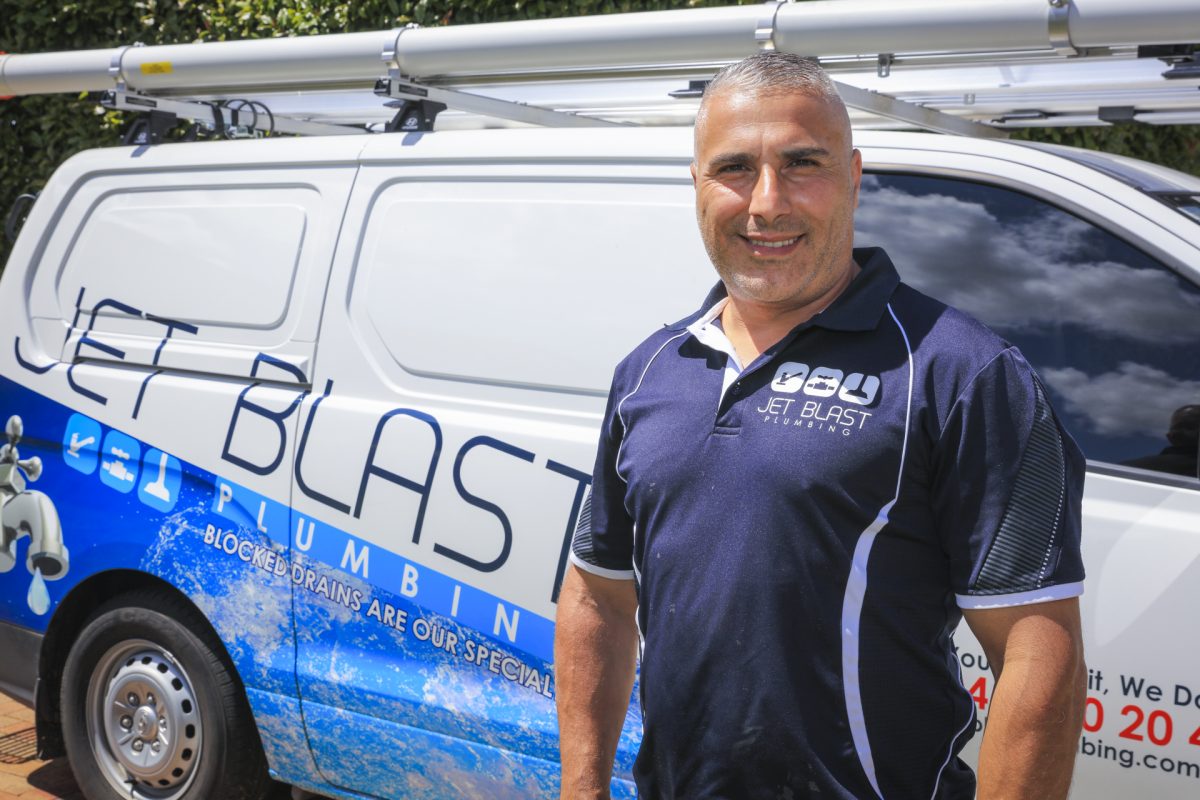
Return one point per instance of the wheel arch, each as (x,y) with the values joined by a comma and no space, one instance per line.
(66,625)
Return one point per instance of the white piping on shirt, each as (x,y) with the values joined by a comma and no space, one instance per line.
(621,403)
(856,591)
(1044,594)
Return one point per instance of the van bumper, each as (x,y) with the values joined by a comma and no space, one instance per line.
(19,666)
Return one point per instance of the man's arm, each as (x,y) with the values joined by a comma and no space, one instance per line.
(1033,727)
(595,657)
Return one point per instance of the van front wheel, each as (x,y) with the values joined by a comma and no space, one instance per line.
(151,709)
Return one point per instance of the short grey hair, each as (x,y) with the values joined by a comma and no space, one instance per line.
(771,71)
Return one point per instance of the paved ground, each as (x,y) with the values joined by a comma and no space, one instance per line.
(22,776)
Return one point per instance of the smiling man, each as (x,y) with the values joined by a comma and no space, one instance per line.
(800,491)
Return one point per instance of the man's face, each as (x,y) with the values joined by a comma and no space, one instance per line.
(776,187)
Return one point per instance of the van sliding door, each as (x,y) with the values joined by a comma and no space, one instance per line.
(447,447)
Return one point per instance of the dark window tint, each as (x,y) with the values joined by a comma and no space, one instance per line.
(1114,334)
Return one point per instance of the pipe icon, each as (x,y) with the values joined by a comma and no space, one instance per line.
(27,512)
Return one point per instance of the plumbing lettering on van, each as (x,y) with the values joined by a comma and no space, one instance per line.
(527,632)
(326,545)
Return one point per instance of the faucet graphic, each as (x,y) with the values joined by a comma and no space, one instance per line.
(78,444)
(26,512)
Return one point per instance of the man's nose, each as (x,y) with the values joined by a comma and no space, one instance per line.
(768,200)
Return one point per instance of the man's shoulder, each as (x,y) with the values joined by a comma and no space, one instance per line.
(944,333)
(632,366)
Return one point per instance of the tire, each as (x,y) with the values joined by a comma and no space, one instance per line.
(152,708)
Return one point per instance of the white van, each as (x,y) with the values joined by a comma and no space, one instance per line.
(315,418)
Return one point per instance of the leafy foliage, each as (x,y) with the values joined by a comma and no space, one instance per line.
(38,133)
(1175,146)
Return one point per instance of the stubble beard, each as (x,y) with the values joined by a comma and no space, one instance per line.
(807,275)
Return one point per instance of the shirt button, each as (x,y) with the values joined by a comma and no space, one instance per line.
(736,389)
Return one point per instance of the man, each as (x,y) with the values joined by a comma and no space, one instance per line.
(799,491)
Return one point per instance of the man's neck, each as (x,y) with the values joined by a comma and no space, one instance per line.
(752,327)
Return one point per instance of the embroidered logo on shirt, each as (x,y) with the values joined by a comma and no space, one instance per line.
(854,388)
(793,377)
(790,377)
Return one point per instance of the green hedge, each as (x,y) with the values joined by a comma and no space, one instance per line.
(37,133)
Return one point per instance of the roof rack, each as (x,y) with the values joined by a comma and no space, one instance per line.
(972,67)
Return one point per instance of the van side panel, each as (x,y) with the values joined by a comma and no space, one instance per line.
(154,404)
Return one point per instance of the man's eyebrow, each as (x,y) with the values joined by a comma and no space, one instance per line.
(729,159)
(797,153)
(745,159)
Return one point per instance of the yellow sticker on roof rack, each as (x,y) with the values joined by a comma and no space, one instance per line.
(157,68)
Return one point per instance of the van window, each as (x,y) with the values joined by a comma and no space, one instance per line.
(202,256)
(526,283)
(1113,333)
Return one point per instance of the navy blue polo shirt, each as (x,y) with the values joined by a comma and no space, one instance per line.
(804,533)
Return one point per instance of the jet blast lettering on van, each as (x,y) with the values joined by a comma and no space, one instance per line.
(582,481)
(479,502)
(276,417)
(324,499)
(370,468)
(88,340)
(422,487)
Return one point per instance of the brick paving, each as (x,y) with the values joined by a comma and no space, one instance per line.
(22,775)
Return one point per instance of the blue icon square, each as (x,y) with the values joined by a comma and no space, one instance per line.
(161,479)
(119,461)
(81,443)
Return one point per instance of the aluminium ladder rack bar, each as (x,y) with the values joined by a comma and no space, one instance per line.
(485,106)
(918,116)
(852,96)
(595,46)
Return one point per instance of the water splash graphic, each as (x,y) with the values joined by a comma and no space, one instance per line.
(38,598)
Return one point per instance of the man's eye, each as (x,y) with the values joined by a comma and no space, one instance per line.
(724,168)
(801,162)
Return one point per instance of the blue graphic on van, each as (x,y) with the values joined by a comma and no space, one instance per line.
(437,688)
(161,477)
(81,444)
(119,461)
(26,512)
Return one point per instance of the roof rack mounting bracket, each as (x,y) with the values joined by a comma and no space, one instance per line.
(886,106)
(150,128)
(1058,25)
(764,31)
(245,118)
(114,66)
(413,115)
(883,67)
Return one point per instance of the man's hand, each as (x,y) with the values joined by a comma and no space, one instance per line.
(1033,728)
(595,657)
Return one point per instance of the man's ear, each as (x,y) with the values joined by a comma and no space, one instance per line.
(692,169)
(855,172)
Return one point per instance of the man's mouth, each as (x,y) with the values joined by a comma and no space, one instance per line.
(780,243)
(768,247)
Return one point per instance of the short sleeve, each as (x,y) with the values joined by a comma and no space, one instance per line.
(1007,486)
(603,541)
